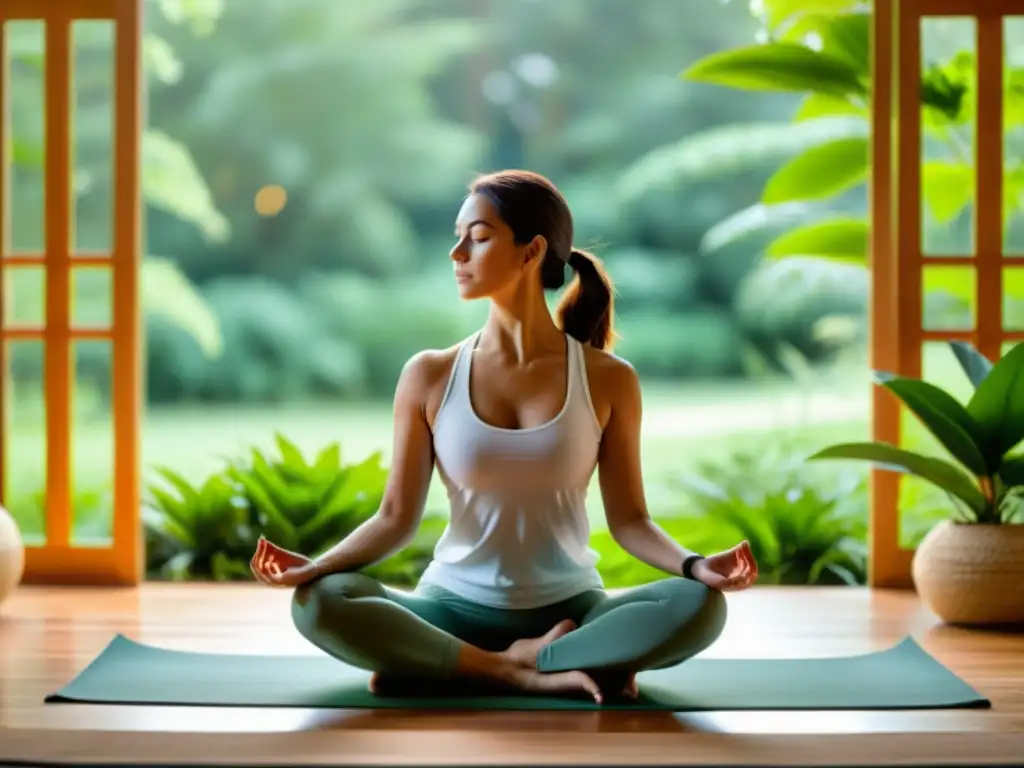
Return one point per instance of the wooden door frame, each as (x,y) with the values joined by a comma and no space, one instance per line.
(897,258)
(60,560)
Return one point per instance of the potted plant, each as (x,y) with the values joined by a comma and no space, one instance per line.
(969,569)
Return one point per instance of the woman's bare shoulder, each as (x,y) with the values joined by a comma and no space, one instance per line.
(608,370)
(613,382)
(425,377)
(429,365)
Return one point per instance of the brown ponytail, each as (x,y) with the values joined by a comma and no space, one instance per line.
(587,309)
(531,205)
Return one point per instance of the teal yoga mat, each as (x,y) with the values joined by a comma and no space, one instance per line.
(901,677)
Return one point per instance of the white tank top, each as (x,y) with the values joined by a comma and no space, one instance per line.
(518,536)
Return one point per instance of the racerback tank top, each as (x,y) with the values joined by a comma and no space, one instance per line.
(519,535)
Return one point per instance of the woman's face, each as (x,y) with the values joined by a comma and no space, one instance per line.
(486,258)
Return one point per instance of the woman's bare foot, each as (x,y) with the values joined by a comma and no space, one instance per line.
(525,652)
(531,680)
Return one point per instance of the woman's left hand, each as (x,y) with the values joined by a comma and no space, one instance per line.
(728,571)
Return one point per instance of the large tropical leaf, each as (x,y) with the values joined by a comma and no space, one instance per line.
(998,405)
(778,67)
(945,417)
(975,365)
(842,239)
(166,291)
(820,172)
(948,188)
(848,35)
(940,473)
(759,221)
(729,148)
(172,181)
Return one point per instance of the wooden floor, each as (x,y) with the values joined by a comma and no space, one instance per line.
(48,635)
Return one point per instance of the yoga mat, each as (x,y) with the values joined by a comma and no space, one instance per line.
(901,677)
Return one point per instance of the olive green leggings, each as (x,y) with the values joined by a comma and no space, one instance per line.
(359,621)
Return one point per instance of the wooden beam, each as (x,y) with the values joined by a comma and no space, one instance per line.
(58,368)
(34,10)
(127,256)
(5,237)
(980,9)
(39,260)
(883,528)
(61,565)
(988,218)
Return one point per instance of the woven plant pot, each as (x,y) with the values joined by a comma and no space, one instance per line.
(972,574)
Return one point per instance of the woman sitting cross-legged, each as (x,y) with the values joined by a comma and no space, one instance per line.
(516,419)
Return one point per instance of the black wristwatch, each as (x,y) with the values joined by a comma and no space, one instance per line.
(688,564)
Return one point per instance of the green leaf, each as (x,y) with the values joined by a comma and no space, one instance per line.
(167,292)
(1013,190)
(178,515)
(945,417)
(1011,472)
(28,153)
(171,181)
(1013,99)
(290,453)
(778,67)
(945,90)
(942,474)
(957,282)
(159,59)
(974,364)
(277,527)
(998,405)
(189,494)
(948,187)
(329,459)
(778,12)
(756,221)
(820,172)
(848,36)
(839,239)
(816,106)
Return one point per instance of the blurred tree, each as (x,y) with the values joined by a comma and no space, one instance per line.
(330,101)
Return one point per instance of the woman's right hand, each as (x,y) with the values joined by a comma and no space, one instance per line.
(278,567)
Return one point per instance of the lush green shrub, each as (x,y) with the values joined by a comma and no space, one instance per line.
(210,530)
(804,527)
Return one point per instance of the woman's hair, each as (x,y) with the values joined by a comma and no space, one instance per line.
(531,205)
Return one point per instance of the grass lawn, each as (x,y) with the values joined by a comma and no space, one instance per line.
(682,426)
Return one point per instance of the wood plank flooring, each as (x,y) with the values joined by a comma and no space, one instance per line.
(47,635)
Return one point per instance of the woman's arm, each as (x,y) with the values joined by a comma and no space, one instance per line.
(401,509)
(621,477)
